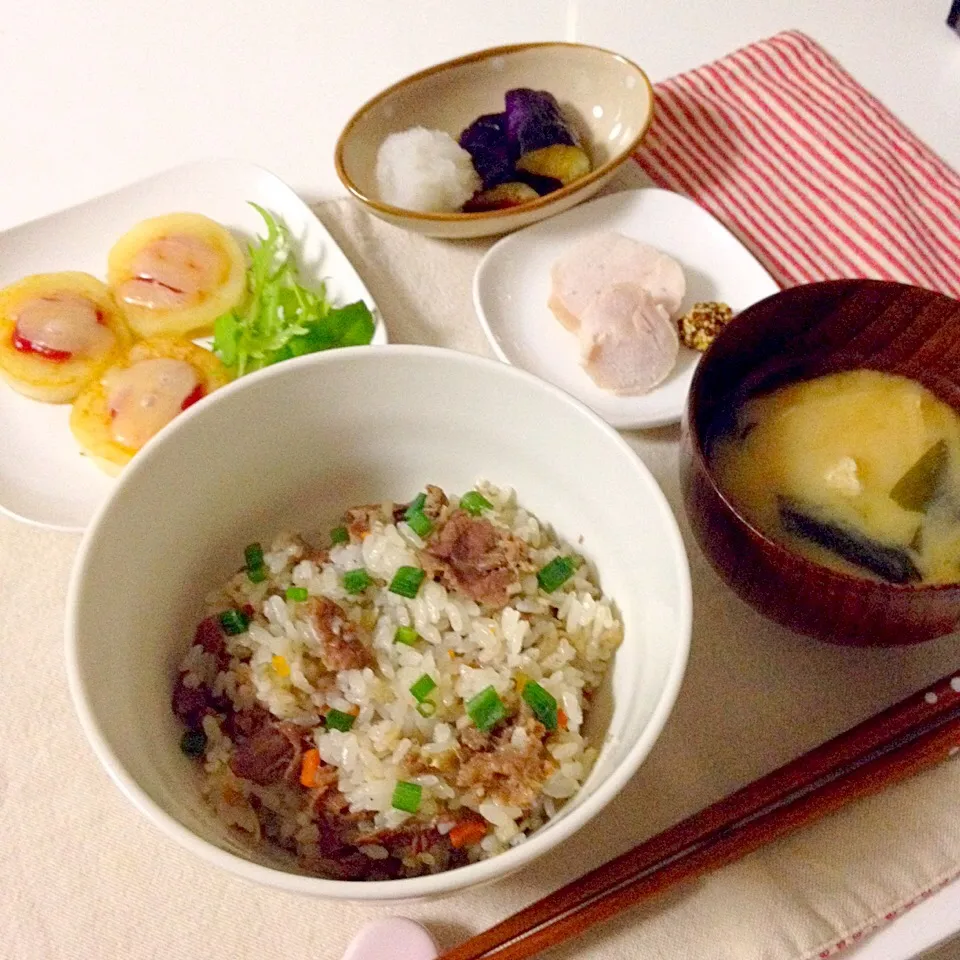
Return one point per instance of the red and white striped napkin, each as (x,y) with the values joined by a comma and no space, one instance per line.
(813,173)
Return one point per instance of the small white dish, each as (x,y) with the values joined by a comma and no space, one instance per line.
(44,479)
(512,284)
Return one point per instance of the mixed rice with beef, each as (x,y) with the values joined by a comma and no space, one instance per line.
(408,698)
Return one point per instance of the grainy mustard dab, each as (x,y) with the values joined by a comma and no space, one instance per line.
(702,323)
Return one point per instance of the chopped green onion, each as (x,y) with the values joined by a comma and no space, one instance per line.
(253,558)
(486,709)
(426,709)
(423,687)
(253,555)
(406,635)
(234,622)
(339,535)
(406,796)
(420,524)
(297,594)
(338,720)
(542,703)
(475,503)
(356,581)
(556,573)
(193,743)
(415,506)
(406,581)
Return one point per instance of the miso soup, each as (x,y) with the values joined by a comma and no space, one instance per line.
(859,471)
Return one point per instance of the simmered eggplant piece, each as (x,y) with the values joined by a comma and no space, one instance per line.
(919,485)
(486,142)
(540,137)
(888,562)
(504,195)
(543,185)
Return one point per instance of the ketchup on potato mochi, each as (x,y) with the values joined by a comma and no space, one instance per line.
(57,332)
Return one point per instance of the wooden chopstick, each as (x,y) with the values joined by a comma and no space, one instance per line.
(907,737)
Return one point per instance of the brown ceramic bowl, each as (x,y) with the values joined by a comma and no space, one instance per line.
(800,333)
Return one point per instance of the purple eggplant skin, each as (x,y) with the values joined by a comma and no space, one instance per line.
(486,142)
(535,121)
(543,185)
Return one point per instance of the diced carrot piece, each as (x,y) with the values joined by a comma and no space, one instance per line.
(309,767)
(562,720)
(467,832)
(232,795)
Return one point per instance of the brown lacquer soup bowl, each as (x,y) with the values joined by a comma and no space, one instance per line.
(805,332)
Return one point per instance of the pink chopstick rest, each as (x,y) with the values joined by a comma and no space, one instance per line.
(393,938)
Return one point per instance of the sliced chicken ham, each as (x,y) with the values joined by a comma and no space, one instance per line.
(601,260)
(628,344)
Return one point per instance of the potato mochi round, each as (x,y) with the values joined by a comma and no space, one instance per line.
(133,400)
(57,332)
(174,275)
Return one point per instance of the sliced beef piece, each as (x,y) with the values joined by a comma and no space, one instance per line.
(475,739)
(319,555)
(330,808)
(408,840)
(350,864)
(333,836)
(331,813)
(416,763)
(241,724)
(360,519)
(473,556)
(191,704)
(326,778)
(330,803)
(506,773)
(435,502)
(271,755)
(342,646)
(210,636)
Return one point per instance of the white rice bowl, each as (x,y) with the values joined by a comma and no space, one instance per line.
(288,449)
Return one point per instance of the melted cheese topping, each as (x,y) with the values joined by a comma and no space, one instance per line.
(146,396)
(63,323)
(173,272)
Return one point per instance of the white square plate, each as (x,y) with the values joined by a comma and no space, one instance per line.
(44,479)
(512,283)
